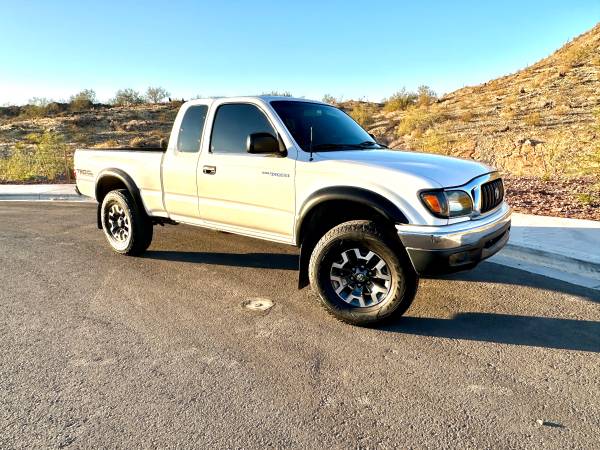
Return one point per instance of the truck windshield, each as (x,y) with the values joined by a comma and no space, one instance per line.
(332,129)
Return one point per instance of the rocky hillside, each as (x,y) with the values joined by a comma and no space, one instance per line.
(534,122)
(102,125)
(539,125)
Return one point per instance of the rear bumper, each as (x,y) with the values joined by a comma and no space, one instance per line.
(461,246)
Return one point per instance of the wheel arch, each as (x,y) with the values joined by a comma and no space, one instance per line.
(329,207)
(111,179)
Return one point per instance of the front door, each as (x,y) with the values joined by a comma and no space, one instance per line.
(248,193)
(180,166)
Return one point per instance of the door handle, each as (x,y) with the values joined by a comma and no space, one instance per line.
(209,170)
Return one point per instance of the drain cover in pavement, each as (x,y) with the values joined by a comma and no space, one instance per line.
(258,304)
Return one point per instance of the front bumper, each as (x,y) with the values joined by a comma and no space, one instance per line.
(461,246)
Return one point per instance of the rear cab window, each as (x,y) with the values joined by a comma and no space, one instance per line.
(190,131)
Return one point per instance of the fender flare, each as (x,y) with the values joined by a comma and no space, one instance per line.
(126,180)
(347,193)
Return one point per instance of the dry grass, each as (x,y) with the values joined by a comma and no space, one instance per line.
(111,143)
(417,121)
(534,119)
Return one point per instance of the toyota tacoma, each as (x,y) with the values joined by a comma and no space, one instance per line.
(368,220)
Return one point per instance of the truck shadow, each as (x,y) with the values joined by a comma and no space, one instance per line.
(554,333)
(495,273)
(543,332)
(281,261)
(565,334)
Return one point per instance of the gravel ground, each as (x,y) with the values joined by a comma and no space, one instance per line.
(554,197)
(102,350)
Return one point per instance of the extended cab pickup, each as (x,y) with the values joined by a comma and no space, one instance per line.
(369,221)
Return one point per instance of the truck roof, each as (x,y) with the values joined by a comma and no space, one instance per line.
(266,98)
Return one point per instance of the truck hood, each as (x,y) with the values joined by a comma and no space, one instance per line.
(444,170)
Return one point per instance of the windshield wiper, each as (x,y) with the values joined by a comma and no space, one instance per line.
(336,146)
(362,146)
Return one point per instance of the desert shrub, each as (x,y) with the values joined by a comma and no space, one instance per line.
(466,116)
(43,156)
(83,100)
(533,119)
(41,102)
(127,97)
(111,143)
(425,96)
(156,94)
(418,120)
(434,141)
(38,107)
(509,114)
(576,55)
(362,114)
(400,101)
(587,163)
(168,116)
(278,94)
(138,141)
(330,99)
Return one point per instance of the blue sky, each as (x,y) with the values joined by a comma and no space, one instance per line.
(349,49)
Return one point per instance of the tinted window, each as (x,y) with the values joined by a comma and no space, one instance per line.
(329,125)
(190,132)
(233,123)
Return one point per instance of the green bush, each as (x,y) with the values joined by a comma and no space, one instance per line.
(45,158)
(127,97)
(156,94)
(83,100)
(425,96)
(400,101)
(330,99)
(38,107)
(362,114)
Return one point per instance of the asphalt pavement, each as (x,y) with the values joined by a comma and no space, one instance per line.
(103,350)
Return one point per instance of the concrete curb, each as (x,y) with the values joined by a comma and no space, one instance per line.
(41,192)
(552,265)
(564,249)
(44,198)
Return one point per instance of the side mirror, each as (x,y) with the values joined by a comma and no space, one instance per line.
(262,143)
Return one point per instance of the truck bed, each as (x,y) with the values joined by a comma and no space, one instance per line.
(143,165)
(126,149)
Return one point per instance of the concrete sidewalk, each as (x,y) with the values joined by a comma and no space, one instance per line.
(44,192)
(565,249)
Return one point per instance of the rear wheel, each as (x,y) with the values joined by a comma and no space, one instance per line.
(362,276)
(127,229)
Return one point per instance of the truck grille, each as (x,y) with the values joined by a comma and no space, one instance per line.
(492,194)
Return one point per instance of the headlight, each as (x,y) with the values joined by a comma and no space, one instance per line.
(447,204)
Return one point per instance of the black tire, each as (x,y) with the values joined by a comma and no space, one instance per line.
(136,224)
(398,277)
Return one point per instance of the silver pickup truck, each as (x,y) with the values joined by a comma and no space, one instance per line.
(369,221)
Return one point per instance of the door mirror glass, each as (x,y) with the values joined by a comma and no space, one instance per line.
(262,143)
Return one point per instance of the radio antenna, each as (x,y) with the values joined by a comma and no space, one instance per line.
(310,145)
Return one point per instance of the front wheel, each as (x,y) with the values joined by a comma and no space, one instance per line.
(362,275)
(127,229)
